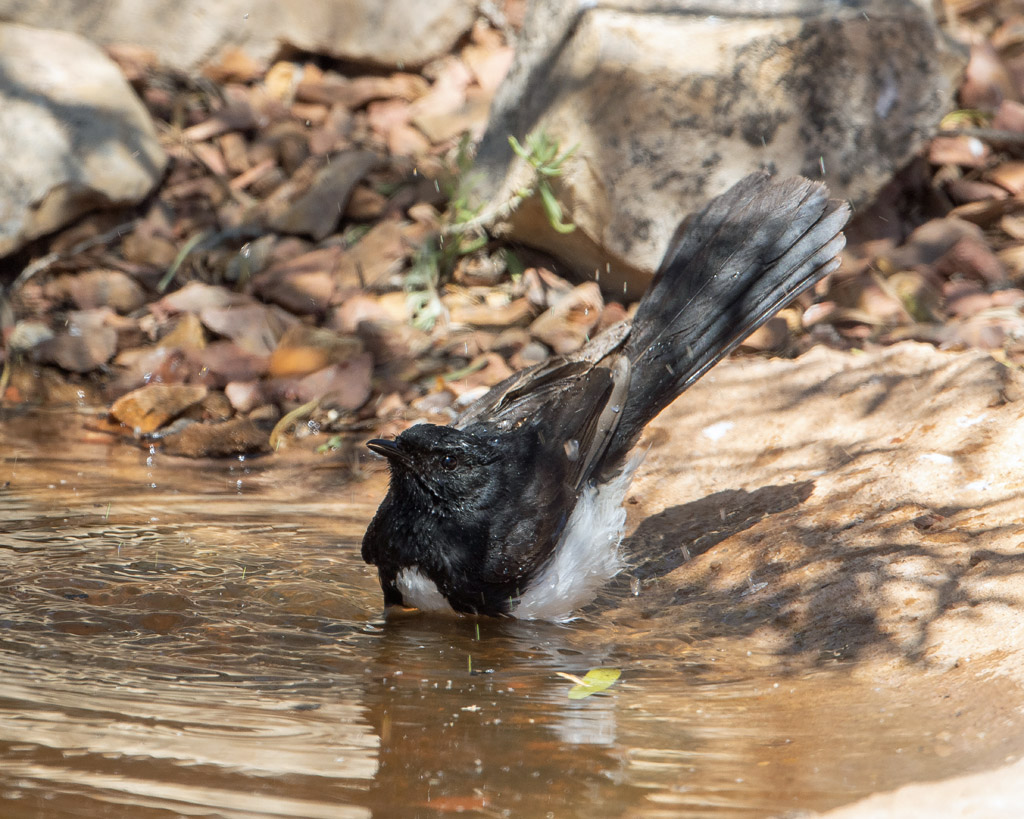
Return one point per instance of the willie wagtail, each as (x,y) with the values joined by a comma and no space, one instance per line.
(516,507)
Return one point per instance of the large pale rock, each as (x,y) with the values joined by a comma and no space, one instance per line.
(670,103)
(187,33)
(996,794)
(861,507)
(73,135)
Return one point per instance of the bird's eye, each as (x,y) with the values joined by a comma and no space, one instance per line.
(449,462)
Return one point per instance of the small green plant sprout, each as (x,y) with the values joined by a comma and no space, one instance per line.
(422,285)
(541,153)
(434,260)
(464,226)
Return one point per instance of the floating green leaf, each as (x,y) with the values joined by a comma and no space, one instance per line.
(595,680)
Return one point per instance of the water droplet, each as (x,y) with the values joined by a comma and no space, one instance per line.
(634,585)
(572,449)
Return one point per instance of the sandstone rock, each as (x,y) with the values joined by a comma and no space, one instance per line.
(150,407)
(994,794)
(849,93)
(185,34)
(73,136)
(852,454)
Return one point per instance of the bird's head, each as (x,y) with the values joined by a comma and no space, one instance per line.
(442,467)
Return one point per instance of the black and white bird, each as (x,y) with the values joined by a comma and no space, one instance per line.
(516,507)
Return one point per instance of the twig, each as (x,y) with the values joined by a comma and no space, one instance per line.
(488,217)
(988,134)
(51,259)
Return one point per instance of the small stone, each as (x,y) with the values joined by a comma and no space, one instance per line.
(772,336)
(1009,116)
(151,407)
(239,436)
(196,296)
(510,341)
(317,210)
(464,309)
(89,343)
(186,334)
(303,285)
(1009,175)
(150,365)
(245,395)
(99,288)
(972,258)
(390,340)
(532,353)
(304,350)
(966,151)
(566,325)
(930,241)
(543,288)
(344,386)
(484,371)
(28,334)
(365,204)
(224,361)
(357,308)
(253,327)
(375,259)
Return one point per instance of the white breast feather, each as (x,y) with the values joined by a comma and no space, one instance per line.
(420,592)
(587,556)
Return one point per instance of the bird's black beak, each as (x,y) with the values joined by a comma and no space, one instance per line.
(389,449)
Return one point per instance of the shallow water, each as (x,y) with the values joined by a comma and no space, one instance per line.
(202,639)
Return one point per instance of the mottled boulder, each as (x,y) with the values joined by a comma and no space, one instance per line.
(73,135)
(670,103)
(187,33)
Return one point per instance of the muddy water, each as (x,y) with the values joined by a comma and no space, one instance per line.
(202,639)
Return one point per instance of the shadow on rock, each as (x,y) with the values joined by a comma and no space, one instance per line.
(891,583)
(663,542)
